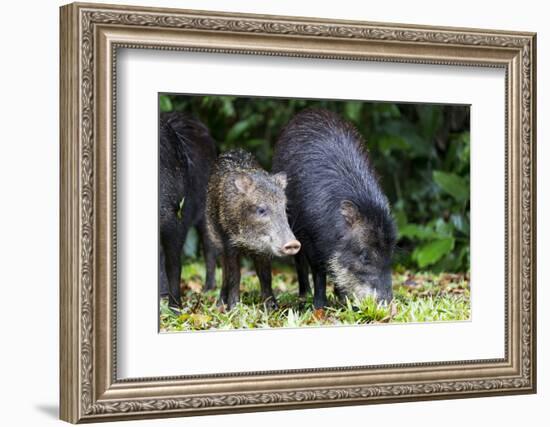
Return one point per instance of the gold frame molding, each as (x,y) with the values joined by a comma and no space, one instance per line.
(90,37)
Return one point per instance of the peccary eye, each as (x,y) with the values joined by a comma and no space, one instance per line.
(260,210)
(364,257)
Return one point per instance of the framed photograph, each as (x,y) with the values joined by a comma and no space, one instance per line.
(267,212)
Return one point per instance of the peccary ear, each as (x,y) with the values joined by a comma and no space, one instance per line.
(280,179)
(350,212)
(244,183)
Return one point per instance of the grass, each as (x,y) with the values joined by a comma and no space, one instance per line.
(418,297)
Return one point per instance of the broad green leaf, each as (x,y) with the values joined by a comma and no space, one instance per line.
(206,101)
(430,253)
(256,143)
(388,110)
(239,129)
(431,118)
(400,218)
(416,231)
(464,137)
(227,109)
(442,228)
(352,110)
(191,246)
(452,184)
(460,223)
(165,104)
(389,143)
(465,152)
(417,145)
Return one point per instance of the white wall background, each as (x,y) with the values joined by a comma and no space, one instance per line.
(29,171)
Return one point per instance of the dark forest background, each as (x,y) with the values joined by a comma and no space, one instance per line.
(420,151)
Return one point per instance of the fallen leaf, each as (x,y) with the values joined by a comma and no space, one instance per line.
(199,319)
(194,285)
(391,315)
(319,314)
(393,309)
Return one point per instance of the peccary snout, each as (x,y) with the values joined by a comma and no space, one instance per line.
(292,247)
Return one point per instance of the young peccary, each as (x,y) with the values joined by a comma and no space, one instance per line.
(245,214)
(336,207)
(187,153)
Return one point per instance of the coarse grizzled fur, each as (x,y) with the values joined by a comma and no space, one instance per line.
(246,214)
(336,207)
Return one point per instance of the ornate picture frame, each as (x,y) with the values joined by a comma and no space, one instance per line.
(90,37)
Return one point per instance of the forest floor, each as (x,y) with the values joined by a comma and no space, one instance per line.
(418,297)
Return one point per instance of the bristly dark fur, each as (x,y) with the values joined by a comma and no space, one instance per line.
(186,155)
(336,207)
(188,152)
(320,141)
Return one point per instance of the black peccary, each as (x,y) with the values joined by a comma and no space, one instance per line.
(187,153)
(246,214)
(336,207)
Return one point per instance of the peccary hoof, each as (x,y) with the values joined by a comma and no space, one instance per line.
(221,306)
(270,303)
(209,287)
(171,305)
(176,310)
(226,306)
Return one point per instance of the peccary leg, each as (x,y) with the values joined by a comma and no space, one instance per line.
(231,279)
(209,253)
(163,291)
(339,294)
(302,269)
(172,253)
(263,270)
(319,288)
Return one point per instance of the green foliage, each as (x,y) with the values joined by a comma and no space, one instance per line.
(420,151)
(179,212)
(452,184)
(422,297)
(431,252)
(165,102)
(191,246)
